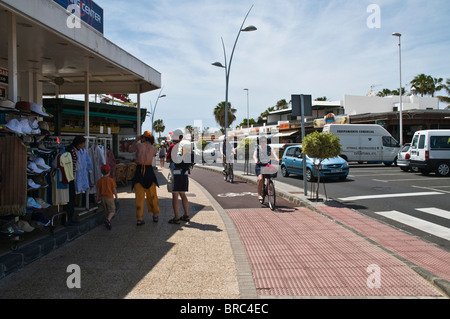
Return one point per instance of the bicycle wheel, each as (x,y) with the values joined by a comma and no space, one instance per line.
(264,192)
(271,196)
(225,173)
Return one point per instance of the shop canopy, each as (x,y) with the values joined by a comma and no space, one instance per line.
(51,55)
(64,56)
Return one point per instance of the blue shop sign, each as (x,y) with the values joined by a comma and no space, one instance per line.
(89,12)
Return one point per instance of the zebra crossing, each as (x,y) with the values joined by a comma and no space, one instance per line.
(422,224)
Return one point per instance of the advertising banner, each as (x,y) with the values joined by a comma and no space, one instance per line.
(331,119)
(87,10)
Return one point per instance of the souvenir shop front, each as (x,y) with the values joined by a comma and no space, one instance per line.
(41,56)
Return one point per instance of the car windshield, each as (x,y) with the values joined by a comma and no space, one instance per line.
(405,148)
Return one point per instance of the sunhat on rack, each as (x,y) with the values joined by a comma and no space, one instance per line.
(38,109)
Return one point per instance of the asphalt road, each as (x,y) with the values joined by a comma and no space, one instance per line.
(238,194)
(409,201)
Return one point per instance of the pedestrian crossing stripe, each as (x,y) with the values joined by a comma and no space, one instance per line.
(436,212)
(381,196)
(420,224)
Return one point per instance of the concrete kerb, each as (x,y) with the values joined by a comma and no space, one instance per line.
(247,287)
(303,201)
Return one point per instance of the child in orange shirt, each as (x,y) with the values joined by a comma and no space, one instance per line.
(107,194)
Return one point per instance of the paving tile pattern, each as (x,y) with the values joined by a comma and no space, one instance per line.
(303,253)
(415,250)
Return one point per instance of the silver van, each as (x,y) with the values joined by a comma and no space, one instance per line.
(430,152)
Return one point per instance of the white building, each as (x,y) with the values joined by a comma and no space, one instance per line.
(355,105)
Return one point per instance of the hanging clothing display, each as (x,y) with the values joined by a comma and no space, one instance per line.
(62,166)
(111,161)
(97,154)
(13,176)
(60,191)
(83,169)
(65,163)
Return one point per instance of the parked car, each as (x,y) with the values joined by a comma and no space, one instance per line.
(430,152)
(206,155)
(292,163)
(403,159)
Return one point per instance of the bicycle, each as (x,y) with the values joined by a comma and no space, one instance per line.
(228,172)
(269,190)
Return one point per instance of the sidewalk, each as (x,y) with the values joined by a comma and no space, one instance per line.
(192,260)
(314,251)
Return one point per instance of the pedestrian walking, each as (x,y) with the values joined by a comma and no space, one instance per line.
(162,155)
(144,180)
(107,194)
(178,181)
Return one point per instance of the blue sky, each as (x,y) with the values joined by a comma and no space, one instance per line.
(317,47)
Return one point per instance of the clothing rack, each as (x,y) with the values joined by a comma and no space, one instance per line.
(104,142)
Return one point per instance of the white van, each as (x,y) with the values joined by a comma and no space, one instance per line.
(365,143)
(430,152)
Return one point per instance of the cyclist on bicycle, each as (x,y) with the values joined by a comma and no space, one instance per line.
(261,157)
(228,152)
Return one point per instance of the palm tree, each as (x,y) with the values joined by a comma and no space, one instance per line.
(244,123)
(159,127)
(281,105)
(384,93)
(189,129)
(396,93)
(437,86)
(219,114)
(446,87)
(423,83)
(265,114)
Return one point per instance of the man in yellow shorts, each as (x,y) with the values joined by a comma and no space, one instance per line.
(144,180)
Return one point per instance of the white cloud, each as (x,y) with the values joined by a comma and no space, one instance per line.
(318,47)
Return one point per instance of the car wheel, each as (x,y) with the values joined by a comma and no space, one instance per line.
(309,176)
(284,171)
(443,169)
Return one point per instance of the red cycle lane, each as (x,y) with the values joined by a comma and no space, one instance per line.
(238,194)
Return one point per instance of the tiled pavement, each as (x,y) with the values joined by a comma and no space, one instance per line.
(304,252)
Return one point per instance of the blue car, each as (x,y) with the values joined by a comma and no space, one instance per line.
(292,163)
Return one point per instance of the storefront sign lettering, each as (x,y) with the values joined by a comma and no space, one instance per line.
(85,10)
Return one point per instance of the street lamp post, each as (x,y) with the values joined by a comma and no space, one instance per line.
(227,67)
(152,112)
(400,92)
(248,115)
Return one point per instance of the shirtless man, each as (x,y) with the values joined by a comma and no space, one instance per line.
(144,179)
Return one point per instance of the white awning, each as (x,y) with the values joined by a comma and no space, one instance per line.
(285,134)
(60,54)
